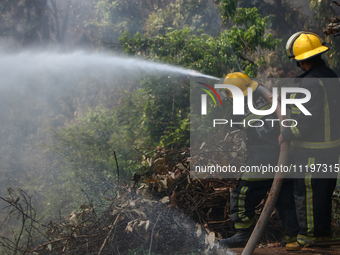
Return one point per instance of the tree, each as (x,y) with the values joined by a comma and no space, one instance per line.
(202,14)
(202,52)
(24,21)
(196,50)
(114,16)
(284,19)
(42,22)
(322,11)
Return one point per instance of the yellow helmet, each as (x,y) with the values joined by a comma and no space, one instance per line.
(304,45)
(240,80)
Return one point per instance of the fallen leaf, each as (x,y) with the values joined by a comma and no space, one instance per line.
(181,167)
(211,239)
(199,230)
(202,145)
(165,200)
(271,245)
(177,174)
(149,160)
(169,181)
(159,161)
(73,219)
(243,145)
(125,204)
(223,188)
(143,186)
(188,178)
(210,210)
(131,225)
(147,223)
(164,183)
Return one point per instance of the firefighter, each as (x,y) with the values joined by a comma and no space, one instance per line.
(314,140)
(262,148)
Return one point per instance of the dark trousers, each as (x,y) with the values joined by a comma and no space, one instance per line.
(248,194)
(313,199)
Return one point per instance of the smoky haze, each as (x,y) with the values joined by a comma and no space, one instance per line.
(54,67)
(37,82)
(47,81)
(58,59)
(42,89)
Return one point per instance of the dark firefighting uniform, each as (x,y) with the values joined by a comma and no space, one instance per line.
(315,140)
(262,149)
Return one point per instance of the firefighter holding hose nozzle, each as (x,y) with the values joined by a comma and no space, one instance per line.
(262,149)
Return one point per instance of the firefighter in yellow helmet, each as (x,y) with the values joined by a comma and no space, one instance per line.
(315,140)
(305,48)
(240,80)
(262,149)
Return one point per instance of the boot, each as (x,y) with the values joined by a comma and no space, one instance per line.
(299,244)
(287,240)
(295,246)
(238,240)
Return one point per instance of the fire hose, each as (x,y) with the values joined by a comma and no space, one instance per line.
(276,186)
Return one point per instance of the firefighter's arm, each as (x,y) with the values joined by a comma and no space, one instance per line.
(306,122)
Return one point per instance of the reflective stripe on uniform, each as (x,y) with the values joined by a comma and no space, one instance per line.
(304,240)
(245,224)
(296,110)
(316,145)
(295,131)
(327,136)
(290,239)
(241,204)
(309,200)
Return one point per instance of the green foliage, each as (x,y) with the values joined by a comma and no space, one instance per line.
(284,19)
(166,108)
(185,33)
(166,112)
(177,136)
(202,52)
(228,8)
(87,149)
(115,16)
(201,14)
(252,32)
(322,11)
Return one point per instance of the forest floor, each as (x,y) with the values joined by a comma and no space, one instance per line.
(162,211)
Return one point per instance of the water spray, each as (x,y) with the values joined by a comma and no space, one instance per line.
(40,68)
(200,75)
